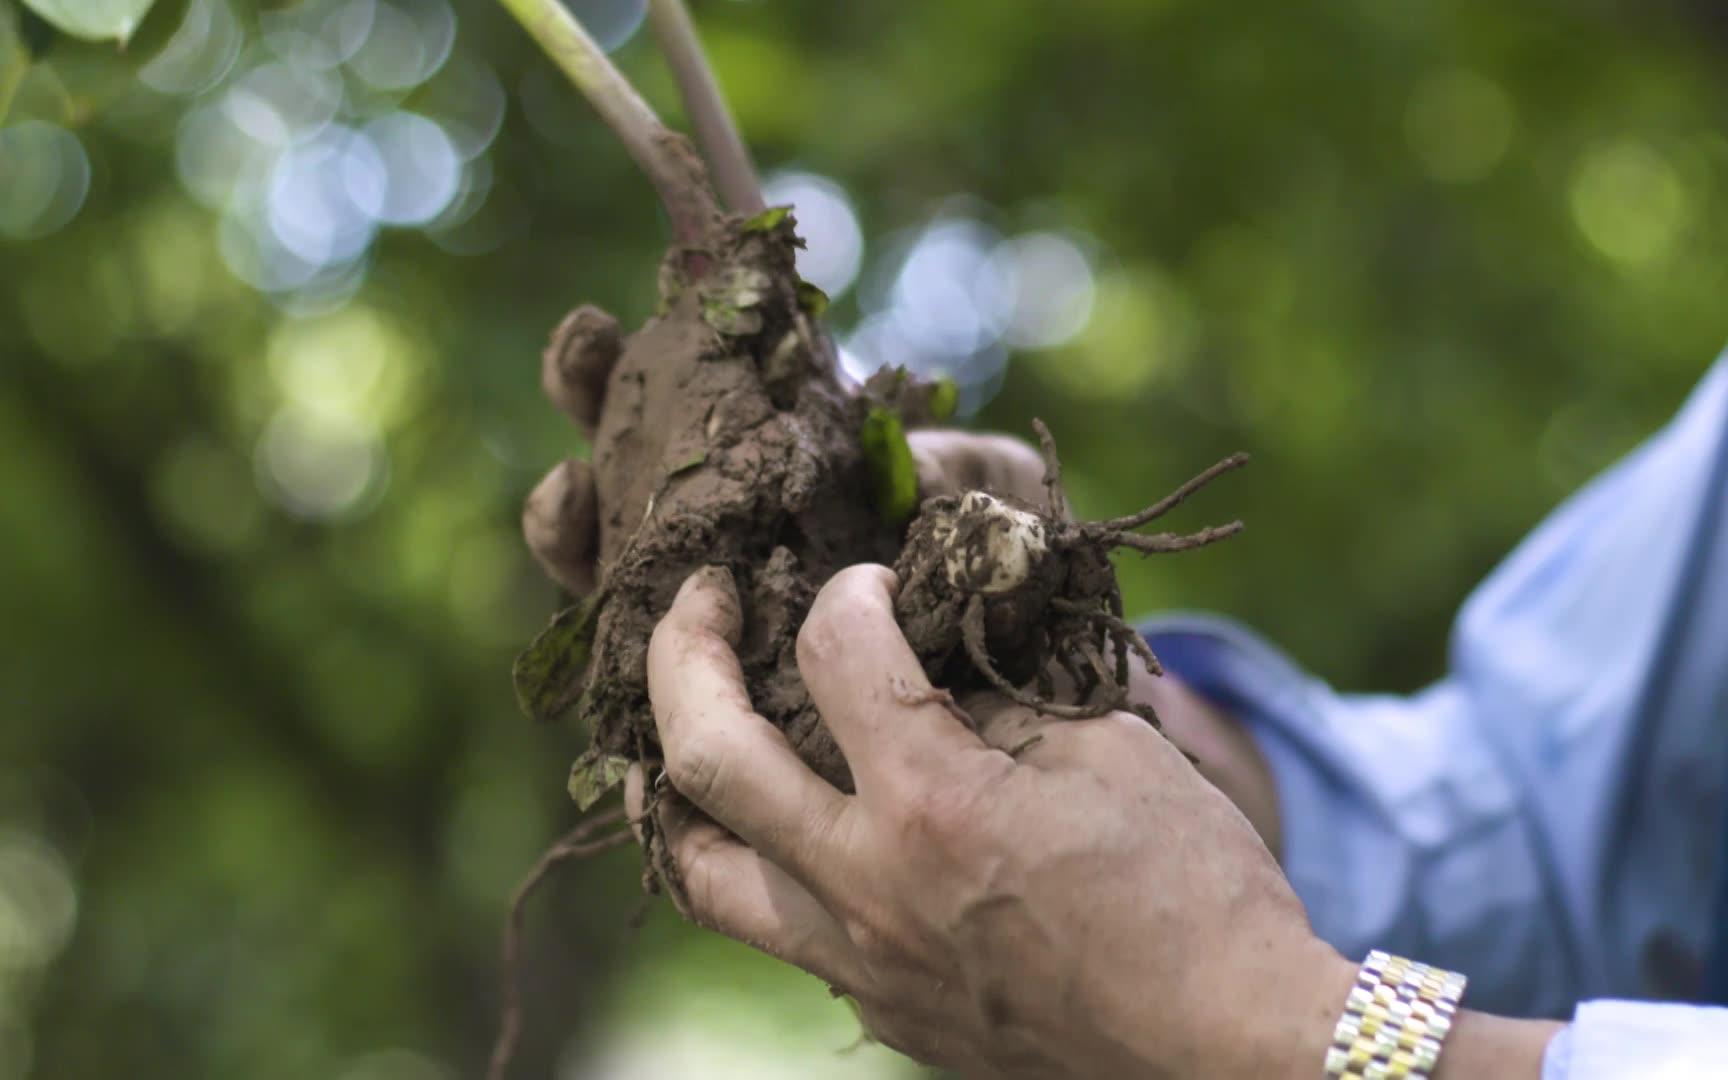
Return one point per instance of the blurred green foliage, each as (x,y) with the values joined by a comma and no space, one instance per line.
(263,787)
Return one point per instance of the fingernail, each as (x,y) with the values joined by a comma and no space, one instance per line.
(726,618)
(709,577)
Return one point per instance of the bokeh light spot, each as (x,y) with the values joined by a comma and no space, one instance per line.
(948,295)
(314,205)
(1142,328)
(44,178)
(467,101)
(1629,202)
(217,161)
(278,103)
(422,170)
(253,253)
(320,466)
(317,33)
(201,52)
(610,23)
(408,42)
(38,901)
(352,365)
(828,223)
(1459,125)
(1049,280)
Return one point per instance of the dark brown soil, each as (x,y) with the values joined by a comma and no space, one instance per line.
(728,440)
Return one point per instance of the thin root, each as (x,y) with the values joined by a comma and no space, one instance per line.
(1024,745)
(933,695)
(575,844)
(1055,498)
(1125,636)
(1171,501)
(1121,641)
(1162,543)
(1115,693)
(972,634)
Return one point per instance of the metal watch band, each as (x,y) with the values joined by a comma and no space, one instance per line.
(1395,1020)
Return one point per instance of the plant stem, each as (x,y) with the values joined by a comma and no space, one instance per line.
(666,157)
(716,133)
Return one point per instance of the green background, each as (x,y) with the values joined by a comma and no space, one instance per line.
(263,789)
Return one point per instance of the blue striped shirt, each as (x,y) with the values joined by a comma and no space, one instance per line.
(1548,818)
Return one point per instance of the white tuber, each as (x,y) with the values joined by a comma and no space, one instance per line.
(992,546)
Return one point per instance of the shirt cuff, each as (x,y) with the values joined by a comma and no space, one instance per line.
(1635,1040)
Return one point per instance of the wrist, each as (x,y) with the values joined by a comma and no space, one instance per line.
(1309,997)
(1266,1013)
(1492,1047)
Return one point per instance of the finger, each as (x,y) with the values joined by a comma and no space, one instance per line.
(720,754)
(577,362)
(933,479)
(735,891)
(635,797)
(560,523)
(966,461)
(1116,740)
(869,687)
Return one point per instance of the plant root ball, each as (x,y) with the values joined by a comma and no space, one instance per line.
(727,440)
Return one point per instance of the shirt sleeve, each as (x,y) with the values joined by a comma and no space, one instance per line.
(1629,1040)
(1477,824)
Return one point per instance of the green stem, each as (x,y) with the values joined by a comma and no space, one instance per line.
(666,157)
(716,133)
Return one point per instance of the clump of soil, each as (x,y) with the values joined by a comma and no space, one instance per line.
(727,439)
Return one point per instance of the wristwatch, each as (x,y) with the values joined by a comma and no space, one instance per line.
(1395,1020)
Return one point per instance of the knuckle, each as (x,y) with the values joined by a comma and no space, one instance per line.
(705,647)
(944,811)
(1109,737)
(819,639)
(703,883)
(697,764)
(874,940)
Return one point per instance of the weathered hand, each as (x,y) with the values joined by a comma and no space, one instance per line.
(562,515)
(1089,906)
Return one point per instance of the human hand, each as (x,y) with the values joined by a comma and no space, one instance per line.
(561,517)
(1088,906)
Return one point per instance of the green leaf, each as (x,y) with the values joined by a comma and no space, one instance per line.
(893,474)
(944,399)
(696,459)
(93,20)
(548,674)
(767,220)
(593,775)
(730,300)
(812,299)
